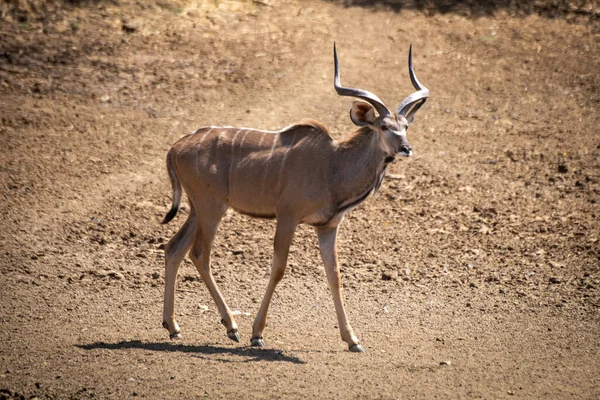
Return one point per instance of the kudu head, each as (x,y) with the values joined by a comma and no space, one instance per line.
(375,115)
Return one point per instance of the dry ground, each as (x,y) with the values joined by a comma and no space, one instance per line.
(474,272)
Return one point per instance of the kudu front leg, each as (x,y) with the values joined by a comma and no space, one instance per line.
(327,242)
(283,238)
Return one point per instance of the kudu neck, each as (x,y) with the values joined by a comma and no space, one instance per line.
(360,158)
(363,146)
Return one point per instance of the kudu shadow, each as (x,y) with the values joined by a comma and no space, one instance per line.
(248,354)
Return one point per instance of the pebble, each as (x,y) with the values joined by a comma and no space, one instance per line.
(445,363)
(116,275)
(155,275)
(129,27)
(385,276)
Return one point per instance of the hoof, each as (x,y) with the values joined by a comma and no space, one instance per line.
(257,342)
(173,336)
(233,335)
(357,348)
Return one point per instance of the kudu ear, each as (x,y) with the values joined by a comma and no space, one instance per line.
(362,114)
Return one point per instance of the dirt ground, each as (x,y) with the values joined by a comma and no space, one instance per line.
(473,273)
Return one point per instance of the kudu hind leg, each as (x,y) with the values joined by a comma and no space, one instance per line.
(200,256)
(327,241)
(175,250)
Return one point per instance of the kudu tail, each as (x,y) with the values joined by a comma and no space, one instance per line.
(176,188)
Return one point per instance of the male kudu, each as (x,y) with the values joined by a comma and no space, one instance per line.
(297,175)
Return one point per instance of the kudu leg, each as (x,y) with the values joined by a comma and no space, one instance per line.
(283,238)
(175,250)
(327,242)
(208,223)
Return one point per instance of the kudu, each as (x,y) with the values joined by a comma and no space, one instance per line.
(298,175)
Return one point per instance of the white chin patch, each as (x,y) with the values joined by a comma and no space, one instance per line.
(404,153)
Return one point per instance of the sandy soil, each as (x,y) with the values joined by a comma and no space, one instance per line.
(474,272)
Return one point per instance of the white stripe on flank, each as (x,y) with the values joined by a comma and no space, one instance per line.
(221,136)
(198,148)
(204,136)
(264,178)
(233,147)
(272,148)
(233,140)
(287,151)
(232,155)
(242,141)
(241,146)
(261,139)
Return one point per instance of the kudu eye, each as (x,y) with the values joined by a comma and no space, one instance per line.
(384,127)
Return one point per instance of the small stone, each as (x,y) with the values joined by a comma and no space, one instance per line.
(99,273)
(445,363)
(555,280)
(116,275)
(155,275)
(563,169)
(385,276)
(129,27)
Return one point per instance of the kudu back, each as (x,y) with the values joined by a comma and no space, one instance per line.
(299,174)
